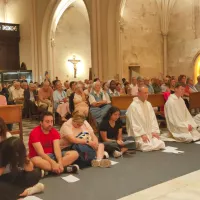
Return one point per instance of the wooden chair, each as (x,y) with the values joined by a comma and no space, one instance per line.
(13,114)
(194,100)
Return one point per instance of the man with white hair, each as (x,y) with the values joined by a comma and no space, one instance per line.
(142,123)
(180,123)
(18,94)
(197,86)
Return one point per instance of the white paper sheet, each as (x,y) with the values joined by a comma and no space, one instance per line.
(31,198)
(70,179)
(114,162)
(170,149)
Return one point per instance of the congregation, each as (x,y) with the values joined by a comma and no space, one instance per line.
(92,130)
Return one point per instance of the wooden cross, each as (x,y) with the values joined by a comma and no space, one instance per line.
(74,62)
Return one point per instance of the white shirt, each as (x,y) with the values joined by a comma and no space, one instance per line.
(18,93)
(134,90)
(32,96)
(92,99)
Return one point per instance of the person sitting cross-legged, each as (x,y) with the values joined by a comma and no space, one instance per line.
(77,134)
(18,178)
(44,148)
(111,134)
(142,123)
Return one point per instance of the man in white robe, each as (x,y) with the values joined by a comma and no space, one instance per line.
(180,123)
(142,123)
(197,120)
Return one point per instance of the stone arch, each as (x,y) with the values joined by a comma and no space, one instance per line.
(196,66)
(52,16)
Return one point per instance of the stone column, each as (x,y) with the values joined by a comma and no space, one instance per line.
(34,43)
(165,9)
(165,50)
(95,40)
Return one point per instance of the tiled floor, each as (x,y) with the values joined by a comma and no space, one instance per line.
(183,188)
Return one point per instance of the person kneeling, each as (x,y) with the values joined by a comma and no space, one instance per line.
(77,134)
(44,148)
(142,123)
(111,135)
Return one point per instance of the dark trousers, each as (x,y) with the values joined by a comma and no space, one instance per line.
(30,108)
(110,147)
(13,184)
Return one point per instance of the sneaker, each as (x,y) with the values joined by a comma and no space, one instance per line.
(38,188)
(105,163)
(44,173)
(106,156)
(117,154)
(71,169)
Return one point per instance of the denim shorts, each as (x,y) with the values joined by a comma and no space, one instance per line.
(53,156)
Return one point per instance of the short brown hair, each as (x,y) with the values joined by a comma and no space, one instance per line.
(179,84)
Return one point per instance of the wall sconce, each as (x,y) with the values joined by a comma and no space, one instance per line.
(74,62)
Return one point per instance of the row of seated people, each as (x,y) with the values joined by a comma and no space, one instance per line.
(38,98)
(54,152)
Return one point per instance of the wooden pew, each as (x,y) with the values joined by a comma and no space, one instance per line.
(123,102)
(194,100)
(13,114)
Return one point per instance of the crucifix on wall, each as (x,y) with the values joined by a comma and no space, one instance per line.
(74,62)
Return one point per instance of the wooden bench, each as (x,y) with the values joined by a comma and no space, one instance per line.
(123,102)
(194,100)
(156,100)
(13,114)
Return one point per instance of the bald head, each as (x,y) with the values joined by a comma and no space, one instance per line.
(46,85)
(143,93)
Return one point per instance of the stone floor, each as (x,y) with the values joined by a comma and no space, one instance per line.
(186,187)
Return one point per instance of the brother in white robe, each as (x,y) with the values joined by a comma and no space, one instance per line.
(178,118)
(141,120)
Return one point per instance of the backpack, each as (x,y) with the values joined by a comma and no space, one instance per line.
(86,155)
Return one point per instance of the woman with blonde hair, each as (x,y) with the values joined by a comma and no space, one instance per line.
(77,134)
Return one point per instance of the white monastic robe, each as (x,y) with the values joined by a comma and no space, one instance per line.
(141,120)
(178,118)
(197,120)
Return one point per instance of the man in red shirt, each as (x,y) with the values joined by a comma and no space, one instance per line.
(44,148)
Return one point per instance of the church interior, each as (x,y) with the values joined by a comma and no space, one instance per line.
(91,57)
